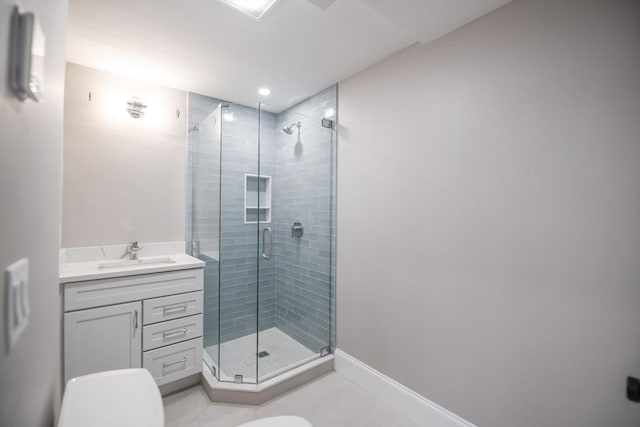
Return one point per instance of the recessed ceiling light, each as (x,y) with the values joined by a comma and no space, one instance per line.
(254,8)
(329,113)
(264,91)
(229,117)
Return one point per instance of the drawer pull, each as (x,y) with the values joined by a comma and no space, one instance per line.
(172,334)
(177,362)
(174,309)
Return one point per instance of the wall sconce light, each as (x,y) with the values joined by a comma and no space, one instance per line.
(135,107)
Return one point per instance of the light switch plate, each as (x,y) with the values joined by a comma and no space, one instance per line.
(16,297)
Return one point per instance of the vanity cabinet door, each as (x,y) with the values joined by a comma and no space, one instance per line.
(101,339)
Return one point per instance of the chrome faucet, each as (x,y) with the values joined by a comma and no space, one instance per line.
(134,248)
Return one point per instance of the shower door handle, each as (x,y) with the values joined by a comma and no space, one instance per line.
(267,255)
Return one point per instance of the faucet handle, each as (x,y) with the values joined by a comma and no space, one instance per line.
(134,248)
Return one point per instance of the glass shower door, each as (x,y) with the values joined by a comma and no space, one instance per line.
(240,216)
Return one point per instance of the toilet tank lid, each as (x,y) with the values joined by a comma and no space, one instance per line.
(123,398)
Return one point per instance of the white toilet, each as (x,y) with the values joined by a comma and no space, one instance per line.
(129,398)
(123,398)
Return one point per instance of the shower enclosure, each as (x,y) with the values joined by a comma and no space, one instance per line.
(260,213)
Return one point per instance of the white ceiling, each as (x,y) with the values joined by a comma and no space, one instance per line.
(298,48)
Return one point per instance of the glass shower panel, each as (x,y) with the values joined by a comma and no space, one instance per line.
(266,258)
(240,214)
(203,210)
(296,302)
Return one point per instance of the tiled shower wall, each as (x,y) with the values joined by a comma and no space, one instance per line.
(294,292)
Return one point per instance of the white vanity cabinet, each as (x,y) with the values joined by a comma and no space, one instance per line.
(152,321)
(100,339)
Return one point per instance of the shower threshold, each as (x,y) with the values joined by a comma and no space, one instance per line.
(277,353)
(256,394)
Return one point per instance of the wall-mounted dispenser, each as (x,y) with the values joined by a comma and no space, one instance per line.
(27,56)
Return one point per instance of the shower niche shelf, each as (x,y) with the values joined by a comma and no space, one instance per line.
(257,198)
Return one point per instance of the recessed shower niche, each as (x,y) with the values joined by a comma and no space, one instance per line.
(257,199)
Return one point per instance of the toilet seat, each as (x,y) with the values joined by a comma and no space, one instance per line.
(123,398)
(284,421)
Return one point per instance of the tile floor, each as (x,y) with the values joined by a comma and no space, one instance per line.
(239,356)
(329,401)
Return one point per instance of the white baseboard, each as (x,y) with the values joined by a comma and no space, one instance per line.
(414,406)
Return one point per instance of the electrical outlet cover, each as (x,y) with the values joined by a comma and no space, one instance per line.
(16,297)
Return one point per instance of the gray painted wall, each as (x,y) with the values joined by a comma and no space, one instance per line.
(489,218)
(120,172)
(30,206)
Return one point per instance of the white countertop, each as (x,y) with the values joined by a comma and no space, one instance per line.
(90,270)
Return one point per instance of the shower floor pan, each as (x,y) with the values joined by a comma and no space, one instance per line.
(238,356)
(288,365)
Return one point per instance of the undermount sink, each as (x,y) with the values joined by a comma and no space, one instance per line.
(135,263)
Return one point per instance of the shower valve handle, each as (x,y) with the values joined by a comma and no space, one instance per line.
(297,229)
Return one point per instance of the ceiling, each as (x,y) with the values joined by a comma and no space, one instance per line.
(297,49)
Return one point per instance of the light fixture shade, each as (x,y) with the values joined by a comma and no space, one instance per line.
(135,107)
(254,8)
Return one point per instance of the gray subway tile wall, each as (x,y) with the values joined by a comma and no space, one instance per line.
(296,290)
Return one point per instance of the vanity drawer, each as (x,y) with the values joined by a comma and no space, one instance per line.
(96,293)
(173,362)
(171,307)
(171,332)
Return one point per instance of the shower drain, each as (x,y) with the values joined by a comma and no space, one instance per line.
(263,354)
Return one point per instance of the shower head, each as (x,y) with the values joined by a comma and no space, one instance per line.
(289,129)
